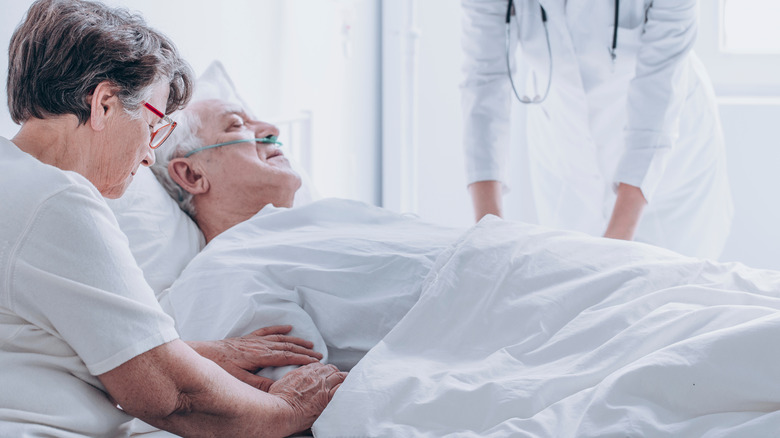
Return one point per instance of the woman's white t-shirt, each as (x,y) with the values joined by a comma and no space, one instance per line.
(73,303)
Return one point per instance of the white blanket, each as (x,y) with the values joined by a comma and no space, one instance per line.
(522,331)
(343,273)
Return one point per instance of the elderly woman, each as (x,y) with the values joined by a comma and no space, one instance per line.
(80,331)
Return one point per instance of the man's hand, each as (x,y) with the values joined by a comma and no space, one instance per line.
(308,389)
(628,209)
(267,347)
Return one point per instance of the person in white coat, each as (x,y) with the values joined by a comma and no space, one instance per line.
(626,143)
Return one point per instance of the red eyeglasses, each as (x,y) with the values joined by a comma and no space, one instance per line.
(162,133)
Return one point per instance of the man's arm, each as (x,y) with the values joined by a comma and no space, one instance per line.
(175,389)
(266,347)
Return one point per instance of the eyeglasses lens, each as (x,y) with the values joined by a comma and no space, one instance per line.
(160,135)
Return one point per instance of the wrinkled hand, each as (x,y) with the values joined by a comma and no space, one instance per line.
(308,390)
(267,347)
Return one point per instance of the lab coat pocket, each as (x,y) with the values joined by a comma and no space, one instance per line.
(628,39)
(631,25)
(628,43)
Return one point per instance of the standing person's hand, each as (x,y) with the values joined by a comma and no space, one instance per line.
(625,216)
(267,347)
(486,198)
(308,389)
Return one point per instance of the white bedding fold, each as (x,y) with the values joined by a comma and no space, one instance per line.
(524,331)
(341,272)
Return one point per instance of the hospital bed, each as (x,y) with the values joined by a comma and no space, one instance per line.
(521,330)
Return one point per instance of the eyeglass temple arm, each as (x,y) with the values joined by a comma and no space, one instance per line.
(157,113)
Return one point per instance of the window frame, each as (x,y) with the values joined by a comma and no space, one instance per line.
(722,34)
(734,75)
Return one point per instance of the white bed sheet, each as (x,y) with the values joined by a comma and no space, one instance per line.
(523,331)
(342,272)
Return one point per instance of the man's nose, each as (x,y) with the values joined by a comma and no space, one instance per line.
(263,130)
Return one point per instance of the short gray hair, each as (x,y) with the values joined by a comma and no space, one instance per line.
(64,48)
(182,140)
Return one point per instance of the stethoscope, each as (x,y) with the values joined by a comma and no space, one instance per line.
(539,99)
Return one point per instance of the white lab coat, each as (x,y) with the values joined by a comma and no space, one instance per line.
(649,119)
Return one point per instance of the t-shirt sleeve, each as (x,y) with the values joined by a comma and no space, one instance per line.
(74,275)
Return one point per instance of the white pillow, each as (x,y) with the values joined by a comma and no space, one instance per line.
(162,237)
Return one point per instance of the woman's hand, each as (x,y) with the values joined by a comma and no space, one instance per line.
(486,198)
(309,389)
(267,347)
(625,216)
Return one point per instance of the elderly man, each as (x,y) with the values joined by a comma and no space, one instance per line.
(506,335)
(225,170)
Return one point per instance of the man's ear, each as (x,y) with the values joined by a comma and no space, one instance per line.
(104,103)
(187,174)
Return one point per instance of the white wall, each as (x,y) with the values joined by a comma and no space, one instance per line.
(12,13)
(748,89)
(284,56)
(753,138)
(331,65)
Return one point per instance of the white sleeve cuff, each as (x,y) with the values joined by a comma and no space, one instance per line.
(642,168)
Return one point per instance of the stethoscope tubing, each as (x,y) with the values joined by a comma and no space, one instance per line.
(537,99)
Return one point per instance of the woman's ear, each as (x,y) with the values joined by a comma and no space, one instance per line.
(104,103)
(187,174)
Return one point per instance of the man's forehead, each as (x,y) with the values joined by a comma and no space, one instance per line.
(215,109)
(230,109)
(221,109)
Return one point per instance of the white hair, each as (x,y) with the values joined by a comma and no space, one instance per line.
(182,140)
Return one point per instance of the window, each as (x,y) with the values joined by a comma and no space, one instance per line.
(739,44)
(750,26)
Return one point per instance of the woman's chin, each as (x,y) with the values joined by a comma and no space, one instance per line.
(116,191)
